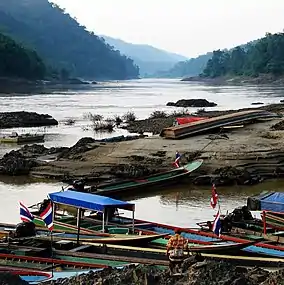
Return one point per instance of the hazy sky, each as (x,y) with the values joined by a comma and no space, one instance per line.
(188,27)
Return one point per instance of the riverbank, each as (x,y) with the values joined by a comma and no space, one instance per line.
(10,85)
(225,80)
(245,155)
(200,273)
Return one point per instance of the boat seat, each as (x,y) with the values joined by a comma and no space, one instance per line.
(80,248)
(64,244)
(31,251)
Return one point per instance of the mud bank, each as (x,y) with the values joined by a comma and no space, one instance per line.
(25,119)
(201,273)
(244,155)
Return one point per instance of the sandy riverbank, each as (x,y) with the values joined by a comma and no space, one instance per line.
(244,155)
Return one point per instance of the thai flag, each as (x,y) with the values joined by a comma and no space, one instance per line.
(214,197)
(217,225)
(176,162)
(46,215)
(25,214)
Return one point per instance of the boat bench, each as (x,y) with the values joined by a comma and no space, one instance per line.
(31,251)
(64,244)
(79,248)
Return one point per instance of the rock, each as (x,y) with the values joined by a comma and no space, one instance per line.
(192,103)
(76,81)
(75,152)
(25,119)
(133,170)
(6,278)
(257,103)
(278,127)
(94,82)
(14,163)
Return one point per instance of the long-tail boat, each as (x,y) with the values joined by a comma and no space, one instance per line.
(28,275)
(131,186)
(91,202)
(95,237)
(273,219)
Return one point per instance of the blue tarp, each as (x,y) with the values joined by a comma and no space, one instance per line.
(89,201)
(273,202)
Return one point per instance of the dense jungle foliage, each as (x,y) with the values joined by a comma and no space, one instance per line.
(264,56)
(61,41)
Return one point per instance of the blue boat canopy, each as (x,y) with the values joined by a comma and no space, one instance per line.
(268,201)
(89,201)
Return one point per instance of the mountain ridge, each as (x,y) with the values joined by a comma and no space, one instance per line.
(149,58)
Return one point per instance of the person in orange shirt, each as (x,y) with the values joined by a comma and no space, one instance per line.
(175,249)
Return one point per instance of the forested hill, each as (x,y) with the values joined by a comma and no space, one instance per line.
(149,59)
(61,41)
(191,67)
(16,61)
(264,56)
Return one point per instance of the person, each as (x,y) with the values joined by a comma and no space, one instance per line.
(177,160)
(175,249)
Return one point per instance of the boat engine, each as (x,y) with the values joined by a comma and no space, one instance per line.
(241,214)
(25,229)
(78,185)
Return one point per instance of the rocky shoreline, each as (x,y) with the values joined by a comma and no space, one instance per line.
(243,156)
(198,273)
(261,79)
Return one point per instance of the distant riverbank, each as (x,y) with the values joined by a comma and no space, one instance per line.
(20,85)
(223,80)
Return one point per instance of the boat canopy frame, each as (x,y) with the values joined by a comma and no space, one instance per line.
(87,201)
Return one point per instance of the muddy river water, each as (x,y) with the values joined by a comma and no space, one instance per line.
(180,205)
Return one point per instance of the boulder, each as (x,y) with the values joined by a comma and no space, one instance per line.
(25,119)
(196,103)
(14,163)
(257,103)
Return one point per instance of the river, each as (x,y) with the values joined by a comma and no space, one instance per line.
(184,205)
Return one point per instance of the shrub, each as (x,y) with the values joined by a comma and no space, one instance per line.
(181,113)
(103,126)
(117,120)
(93,117)
(129,117)
(158,115)
(70,122)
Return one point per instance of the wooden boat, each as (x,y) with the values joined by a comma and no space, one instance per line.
(94,202)
(28,275)
(67,254)
(273,219)
(218,122)
(195,236)
(115,189)
(122,239)
(24,138)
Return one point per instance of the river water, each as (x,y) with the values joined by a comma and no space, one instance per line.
(184,205)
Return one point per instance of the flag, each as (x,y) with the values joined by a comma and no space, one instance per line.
(25,214)
(46,215)
(178,157)
(214,198)
(217,225)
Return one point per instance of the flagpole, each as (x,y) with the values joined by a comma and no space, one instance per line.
(51,245)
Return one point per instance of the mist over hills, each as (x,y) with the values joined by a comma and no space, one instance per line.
(150,60)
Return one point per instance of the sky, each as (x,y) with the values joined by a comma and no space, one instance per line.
(187,27)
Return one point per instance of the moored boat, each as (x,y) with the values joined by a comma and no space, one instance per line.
(116,189)
(196,236)
(24,138)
